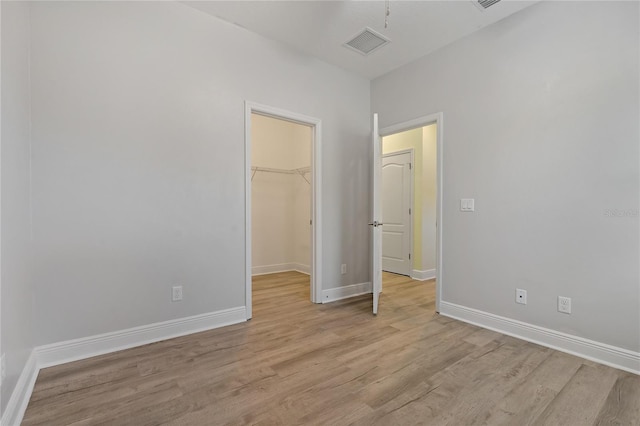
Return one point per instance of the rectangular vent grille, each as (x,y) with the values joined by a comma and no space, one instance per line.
(487,3)
(367,41)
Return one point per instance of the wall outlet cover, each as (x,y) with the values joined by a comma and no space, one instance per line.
(176,293)
(564,304)
(521,296)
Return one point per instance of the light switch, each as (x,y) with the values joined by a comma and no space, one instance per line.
(467,204)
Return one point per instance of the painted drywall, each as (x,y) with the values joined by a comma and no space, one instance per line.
(138,160)
(280,203)
(411,139)
(272,214)
(541,128)
(429,194)
(279,144)
(16,286)
(301,222)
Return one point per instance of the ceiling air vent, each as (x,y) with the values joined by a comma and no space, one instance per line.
(485,4)
(367,41)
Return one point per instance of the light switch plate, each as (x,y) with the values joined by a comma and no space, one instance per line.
(467,205)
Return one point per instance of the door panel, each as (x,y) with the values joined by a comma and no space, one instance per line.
(376,225)
(396,204)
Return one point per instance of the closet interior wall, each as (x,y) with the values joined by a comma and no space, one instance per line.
(280,195)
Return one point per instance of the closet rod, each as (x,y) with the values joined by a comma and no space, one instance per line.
(270,170)
(299,171)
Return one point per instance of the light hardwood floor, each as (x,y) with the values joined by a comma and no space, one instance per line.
(336,364)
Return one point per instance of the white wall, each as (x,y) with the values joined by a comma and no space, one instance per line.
(138,159)
(280,203)
(541,128)
(429,194)
(271,222)
(16,284)
(279,144)
(301,223)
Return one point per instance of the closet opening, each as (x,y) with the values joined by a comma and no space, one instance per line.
(282,207)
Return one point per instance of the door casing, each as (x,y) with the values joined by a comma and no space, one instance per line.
(438,119)
(316,195)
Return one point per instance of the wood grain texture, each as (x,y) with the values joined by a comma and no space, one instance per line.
(336,364)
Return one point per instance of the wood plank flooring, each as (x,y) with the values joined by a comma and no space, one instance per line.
(298,363)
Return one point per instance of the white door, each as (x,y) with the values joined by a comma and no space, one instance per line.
(376,219)
(396,213)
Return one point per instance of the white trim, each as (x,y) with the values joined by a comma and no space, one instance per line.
(248,303)
(412,202)
(437,118)
(316,195)
(425,275)
(339,293)
(303,269)
(86,347)
(14,412)
(376,213)
(280,267)
(603,353)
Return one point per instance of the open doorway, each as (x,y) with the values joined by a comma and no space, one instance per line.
(409,183)
(423,229)
(282,202)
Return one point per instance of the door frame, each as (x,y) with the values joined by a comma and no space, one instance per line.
(409,151)
(438,119)
(316,195)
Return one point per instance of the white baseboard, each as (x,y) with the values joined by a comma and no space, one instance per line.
(280,267)
(338,293)
(602,353)
(14,412)
(86,347)
(304,269)
(419,275)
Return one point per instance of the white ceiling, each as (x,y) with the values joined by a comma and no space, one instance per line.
(320,28)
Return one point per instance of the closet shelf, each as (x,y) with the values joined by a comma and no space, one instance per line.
(302,171)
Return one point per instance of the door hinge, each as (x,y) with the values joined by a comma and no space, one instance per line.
(409,166)
(409,210)
(310,221)
(409,256)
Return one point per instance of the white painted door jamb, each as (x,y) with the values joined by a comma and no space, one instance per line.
(437,118)
(316,195)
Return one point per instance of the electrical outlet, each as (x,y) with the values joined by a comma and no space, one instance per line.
(343,268)
(564,304)
(521,296)
(176,294)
